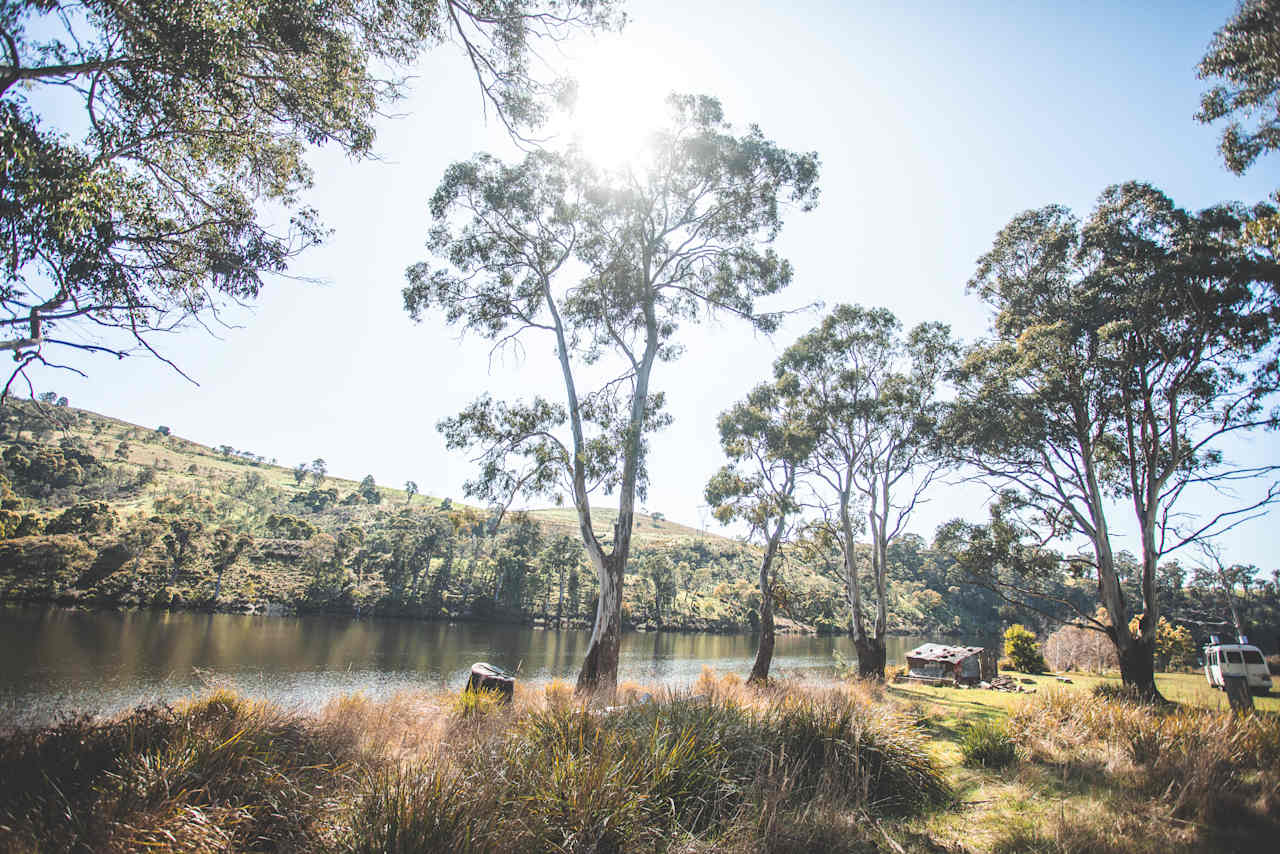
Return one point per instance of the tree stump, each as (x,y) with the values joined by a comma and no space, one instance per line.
(486,677)
(1237,688)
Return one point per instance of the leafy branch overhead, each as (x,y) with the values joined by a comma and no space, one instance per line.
(175,182)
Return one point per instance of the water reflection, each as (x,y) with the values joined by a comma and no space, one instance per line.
(56,660)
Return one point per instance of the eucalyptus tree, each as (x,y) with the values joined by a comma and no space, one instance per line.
(154,150)
(768,442)
(1124,352)
(227,548)
(608,266)
(1244,61)
(874,399)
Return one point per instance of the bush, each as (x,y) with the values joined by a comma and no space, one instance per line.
(987,745)
(94,517)
(1020,646)
(569,779)
(223,773)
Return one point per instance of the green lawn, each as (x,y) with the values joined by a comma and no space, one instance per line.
(1189,688)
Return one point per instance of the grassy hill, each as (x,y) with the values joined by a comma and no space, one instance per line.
(100,511)
(105,512)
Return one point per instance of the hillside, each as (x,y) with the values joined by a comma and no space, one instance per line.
(108,513)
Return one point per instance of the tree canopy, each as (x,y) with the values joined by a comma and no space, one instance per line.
(768,441)
(872,394)
(608,265)
(153,150)
(1245,57)
(1124,350)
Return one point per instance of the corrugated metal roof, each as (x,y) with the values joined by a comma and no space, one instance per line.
(941,652)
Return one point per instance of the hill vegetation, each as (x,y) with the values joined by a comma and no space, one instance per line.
(102,512)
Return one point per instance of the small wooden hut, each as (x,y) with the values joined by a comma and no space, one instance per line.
(935,662)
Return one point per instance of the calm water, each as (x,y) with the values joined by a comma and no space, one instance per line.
(55,660)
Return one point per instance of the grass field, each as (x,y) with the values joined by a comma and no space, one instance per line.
(1093,800)
(798,766)
(1188,688)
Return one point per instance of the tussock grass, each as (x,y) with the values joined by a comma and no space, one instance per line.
(1213,767)
(686,766)
(722,766)
(733,768)
(221,773)
(987,745)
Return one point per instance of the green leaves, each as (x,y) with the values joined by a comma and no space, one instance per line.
(1245,56)
(609,265)
(148,208)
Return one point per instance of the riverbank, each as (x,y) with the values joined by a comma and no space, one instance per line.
(297,609)
(799,766)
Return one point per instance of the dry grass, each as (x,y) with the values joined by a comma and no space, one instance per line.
(1205,766)
(794,766)
(218,774)
(724,768)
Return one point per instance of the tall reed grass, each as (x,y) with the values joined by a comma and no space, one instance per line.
(218,774)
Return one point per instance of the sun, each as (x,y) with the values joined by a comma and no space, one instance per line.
(620,102)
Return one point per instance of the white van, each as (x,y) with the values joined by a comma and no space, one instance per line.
(1237,659)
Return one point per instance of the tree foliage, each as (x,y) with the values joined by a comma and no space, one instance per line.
(1124,352)
(873,399)
(608,266)
(1021,648)
(1245,57)
(768,440)
(153,150)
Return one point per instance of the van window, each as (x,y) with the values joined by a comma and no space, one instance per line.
(1233,656)
(1252,656)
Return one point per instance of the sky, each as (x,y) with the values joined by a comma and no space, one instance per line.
(936,124)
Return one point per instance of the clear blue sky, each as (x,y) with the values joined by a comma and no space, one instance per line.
(936,123)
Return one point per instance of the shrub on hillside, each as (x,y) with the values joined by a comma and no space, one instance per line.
(42,466)
(290,527)
(92,517)
(316,500)
(1020,646)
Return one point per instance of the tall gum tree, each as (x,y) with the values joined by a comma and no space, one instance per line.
(607,265)
(768,442)
(154,151)
(873,395)
(1124,352)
